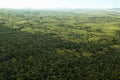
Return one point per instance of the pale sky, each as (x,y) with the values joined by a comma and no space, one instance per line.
(42,4)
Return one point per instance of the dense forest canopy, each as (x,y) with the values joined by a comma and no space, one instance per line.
(78,44)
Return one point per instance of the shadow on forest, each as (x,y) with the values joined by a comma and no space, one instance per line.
(17,42)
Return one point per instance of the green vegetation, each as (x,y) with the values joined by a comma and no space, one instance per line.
(60,45)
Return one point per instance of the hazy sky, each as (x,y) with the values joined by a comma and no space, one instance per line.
(60,3)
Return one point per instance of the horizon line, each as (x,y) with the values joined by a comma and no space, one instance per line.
(56,8)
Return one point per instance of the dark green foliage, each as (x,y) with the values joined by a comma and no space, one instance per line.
(59,45)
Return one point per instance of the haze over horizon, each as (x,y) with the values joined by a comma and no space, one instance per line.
(43,4)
